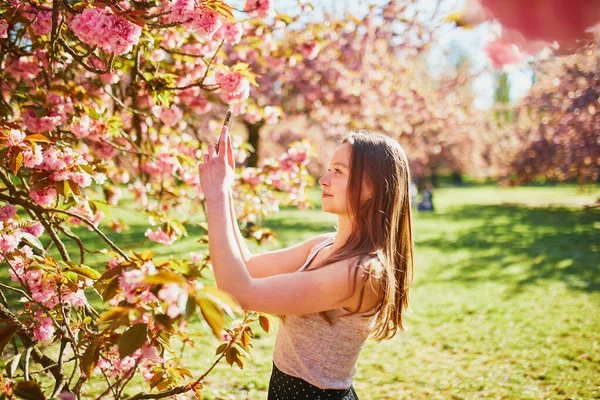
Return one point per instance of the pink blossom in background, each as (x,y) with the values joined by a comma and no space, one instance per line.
(23,67)
(205,23)
(43,22)
(168,116)
(86,126)
(171,294)
(112,33)
(3,29)
(8,212)
(252,115)
(309,50)
(42,124)
(230,81)
(43,197)
(251,177)
(159,236)
(181,11)
(196,257)
(503,53)
(168,163)
(259,8)
(272,115)
(234,87)
(43,329)
(113,262)
(231,32)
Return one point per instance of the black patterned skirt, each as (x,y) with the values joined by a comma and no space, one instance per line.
(286,387)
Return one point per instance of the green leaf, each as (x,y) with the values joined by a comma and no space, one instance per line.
(6,334)
(212,315)
(132,339)
(221,348)
(86,271)
(163,277)
(190,307)
(222,298)
(113,313)
(111,289)
(14,364)
(29,390)
(37,137)
(90,359)
(32,240)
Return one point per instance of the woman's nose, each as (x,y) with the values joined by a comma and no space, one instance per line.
(323,181)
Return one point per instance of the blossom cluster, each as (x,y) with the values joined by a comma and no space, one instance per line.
(110,32)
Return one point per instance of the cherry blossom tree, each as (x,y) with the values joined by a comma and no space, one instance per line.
(106,103)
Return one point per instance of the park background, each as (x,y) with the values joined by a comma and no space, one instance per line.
(506,291)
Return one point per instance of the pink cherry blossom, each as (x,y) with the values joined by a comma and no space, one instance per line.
(43,22)
(181,11)
(43,329)
(36,229)
(15,137)
(169,116)
(42,124)
(502,53)
(234,86)
(8,212)
(259,8)
(43,197)
(159,236)
(205,23)
(309,50)
(172,294)
(112,33)
(196,257)
(9,242)
(231,32)
(33,157)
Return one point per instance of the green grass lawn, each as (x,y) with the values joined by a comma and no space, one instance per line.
(504,304)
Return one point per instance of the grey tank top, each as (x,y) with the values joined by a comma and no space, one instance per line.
(324,355)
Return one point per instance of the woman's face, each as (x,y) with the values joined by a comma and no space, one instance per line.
(335,182)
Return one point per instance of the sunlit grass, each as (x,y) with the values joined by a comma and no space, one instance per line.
(504,303)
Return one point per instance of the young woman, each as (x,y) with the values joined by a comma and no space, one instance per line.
(335,290)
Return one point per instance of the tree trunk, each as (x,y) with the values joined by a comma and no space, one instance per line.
(434,177)
(254,141)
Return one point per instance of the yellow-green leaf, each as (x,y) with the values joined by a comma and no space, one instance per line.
(28,390)
(90,359)
(86,271)
(163,277)
(212,315)
(132,339)
(114,313)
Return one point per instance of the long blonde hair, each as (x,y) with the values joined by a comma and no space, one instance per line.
(382,228)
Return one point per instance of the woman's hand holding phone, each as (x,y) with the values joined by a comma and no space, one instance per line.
(217,172)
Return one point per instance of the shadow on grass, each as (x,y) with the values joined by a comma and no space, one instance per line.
(520,245)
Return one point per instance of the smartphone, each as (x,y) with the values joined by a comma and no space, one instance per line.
(226,123)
